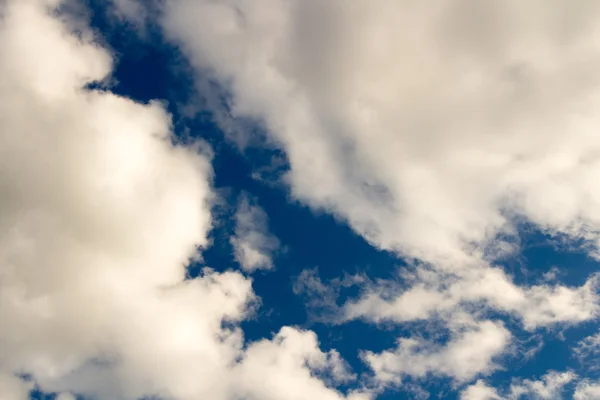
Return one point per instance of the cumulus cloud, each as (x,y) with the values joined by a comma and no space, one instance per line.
(549,387)
(469,352)
(429,146)
(479,391)
(587,390)
(101,212)
(252,243)
(433,129)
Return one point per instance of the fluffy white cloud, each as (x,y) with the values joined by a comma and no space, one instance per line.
(432,128)
(252,243)
(426,146)
(468,353)
(550,387)
(433,293)
(479,391)
(99,216)
(275,369)
(587,390)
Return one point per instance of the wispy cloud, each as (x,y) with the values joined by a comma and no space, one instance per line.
(252,243)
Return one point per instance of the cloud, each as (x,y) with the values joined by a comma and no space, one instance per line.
(14,388)
(130,9)
(427,147)
(587,350)
(65,396)
(276,368)
(434,130)
(479,391)
(252,243)
(587,390)
(321,298)
(101,212)
(549,387)
(433,294)
(469,352)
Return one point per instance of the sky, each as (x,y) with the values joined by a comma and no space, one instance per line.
(299,200)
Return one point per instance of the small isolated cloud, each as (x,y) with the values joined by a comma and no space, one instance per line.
(253,245)
(321,298)
(587,350)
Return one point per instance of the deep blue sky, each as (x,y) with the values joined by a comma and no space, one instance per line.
(149,68)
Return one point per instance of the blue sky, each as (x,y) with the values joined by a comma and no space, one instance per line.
(346,242)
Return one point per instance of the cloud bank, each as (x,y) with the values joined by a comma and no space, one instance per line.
(100,214)
(431,146)
(436,149)
(434,129)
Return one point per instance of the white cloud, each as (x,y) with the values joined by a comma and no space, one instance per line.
(479,391)
(587,390)
(433,129)
(446,299)
(470,352)
(99,216)
(434,293)
(549,387)
(14,388)
(423,146)
(587,350)
(276,368)
(252,243)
